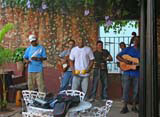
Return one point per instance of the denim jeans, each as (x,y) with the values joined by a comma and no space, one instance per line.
(67,77)
(101,75)
(126,83)
(77,81)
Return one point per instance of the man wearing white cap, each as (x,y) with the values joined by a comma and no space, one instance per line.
(34,56)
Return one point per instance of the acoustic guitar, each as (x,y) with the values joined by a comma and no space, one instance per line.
(63,64)
(132,65)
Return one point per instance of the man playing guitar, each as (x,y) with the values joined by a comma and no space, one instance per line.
(64,66)
(130,75)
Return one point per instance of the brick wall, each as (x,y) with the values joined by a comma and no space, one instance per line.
(53,30)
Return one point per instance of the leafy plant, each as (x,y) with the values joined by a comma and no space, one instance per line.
(5,56)
(4,30)
(18,54)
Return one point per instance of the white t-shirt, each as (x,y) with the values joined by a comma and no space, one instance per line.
(81,58)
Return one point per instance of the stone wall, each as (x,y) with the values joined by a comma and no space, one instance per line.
(53,30)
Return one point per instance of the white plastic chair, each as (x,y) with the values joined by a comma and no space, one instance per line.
(29,114)
(29,96)
(73,93)
(97,111)
(102,111)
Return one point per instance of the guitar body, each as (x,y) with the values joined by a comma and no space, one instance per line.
(125,67)
(62,67)
(63,64)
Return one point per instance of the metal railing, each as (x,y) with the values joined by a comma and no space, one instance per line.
(112,45)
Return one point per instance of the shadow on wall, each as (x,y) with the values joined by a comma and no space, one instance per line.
(52,81)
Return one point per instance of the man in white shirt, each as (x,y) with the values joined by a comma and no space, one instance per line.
(81,62)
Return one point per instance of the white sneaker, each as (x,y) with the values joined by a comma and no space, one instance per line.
(91,100)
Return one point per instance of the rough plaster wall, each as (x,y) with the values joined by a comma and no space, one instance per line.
(53,30)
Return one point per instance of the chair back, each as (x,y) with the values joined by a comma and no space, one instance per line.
(73,93)
(29,96)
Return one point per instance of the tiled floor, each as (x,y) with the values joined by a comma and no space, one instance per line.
(13,111)
(114,112)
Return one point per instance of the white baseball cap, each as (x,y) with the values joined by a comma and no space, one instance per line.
(32,38)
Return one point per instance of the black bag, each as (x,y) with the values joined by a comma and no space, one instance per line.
(64,103)
(41,103)
(44,103)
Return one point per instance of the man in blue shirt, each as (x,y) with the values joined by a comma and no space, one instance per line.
(130,75)
(34,56)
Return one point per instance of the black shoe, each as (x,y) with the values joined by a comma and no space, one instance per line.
(124,110)
(134,109)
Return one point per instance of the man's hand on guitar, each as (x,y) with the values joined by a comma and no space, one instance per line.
(127,62)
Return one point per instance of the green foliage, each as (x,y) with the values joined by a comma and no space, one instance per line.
(56,4)
(4,30)
(118,25)
(115,9)
(3,104)
(18,54)
(5,55)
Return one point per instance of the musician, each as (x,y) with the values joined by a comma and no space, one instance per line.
(122,46)
(132,39)
(34,56)
(130,75)
(100,71)
(81,61)
(67,72)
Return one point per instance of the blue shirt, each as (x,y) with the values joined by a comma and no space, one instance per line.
(135,53)
(36,51)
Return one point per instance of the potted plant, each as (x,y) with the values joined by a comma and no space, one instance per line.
(5,57)
(18,58)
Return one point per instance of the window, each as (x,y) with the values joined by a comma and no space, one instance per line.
(111,42)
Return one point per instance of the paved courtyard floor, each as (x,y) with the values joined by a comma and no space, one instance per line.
(14,111)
